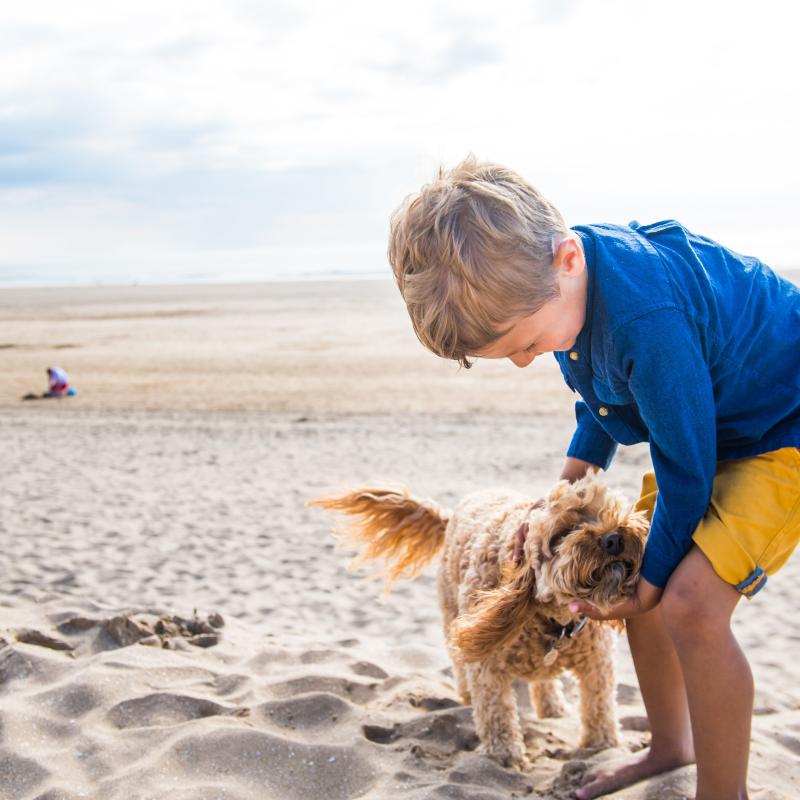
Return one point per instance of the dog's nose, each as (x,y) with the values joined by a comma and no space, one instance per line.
(612,543)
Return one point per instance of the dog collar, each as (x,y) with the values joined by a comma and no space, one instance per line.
(568,631)
(572,628)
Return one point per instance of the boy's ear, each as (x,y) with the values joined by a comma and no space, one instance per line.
(569,257)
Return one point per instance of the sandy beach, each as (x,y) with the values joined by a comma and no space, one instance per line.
(176,622)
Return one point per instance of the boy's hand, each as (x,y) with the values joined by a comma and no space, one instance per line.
(645,598)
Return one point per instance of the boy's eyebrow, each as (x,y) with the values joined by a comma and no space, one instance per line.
(508,355)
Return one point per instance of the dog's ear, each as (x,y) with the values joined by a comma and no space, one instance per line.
(498,614)
(588,494)
(638,523)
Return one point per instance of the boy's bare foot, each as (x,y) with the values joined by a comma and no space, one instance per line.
(610,777)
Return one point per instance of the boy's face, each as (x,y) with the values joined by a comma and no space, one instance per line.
(556,325)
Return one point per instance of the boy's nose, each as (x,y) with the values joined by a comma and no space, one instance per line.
(521,359)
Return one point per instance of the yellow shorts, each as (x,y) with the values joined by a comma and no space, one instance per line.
(752,524)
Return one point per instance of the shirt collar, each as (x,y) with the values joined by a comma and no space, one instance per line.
(583,342)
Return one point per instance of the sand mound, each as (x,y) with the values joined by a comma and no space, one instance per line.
(90,707)
(115,704)
(153,514)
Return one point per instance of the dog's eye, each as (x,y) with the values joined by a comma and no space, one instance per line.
(557,538)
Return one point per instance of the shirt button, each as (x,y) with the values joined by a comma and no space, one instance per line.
(574,355)
(603,411)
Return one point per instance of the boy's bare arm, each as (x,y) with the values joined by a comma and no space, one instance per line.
(574,469)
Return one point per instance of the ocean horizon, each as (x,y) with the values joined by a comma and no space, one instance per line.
(33,279)
(37,278)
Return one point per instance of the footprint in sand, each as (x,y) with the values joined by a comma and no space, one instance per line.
(164,708)
(440,733)
(635,722)
(274,766)
(307,711)
(791,743)
(20,663)
(71,701)
(369,670)
(350,690)
(479,770)
(20,775)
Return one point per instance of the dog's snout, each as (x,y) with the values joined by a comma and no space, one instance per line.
(612,543)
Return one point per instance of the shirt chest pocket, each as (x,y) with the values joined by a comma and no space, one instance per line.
(611,392)
(622,418)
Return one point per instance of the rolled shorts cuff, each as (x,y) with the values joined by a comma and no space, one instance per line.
(753,584)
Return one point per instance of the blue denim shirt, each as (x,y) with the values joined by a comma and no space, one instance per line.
(690,347)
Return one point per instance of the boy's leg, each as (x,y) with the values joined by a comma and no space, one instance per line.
(697,607)
(747,538)
(661,681)
(695,612)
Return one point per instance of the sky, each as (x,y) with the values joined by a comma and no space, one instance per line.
(242,139)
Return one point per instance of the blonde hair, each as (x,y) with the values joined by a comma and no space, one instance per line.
(472,252)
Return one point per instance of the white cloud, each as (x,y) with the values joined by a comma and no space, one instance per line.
(196,131)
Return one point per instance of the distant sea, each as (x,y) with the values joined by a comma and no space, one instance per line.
(62,276)
(35,277)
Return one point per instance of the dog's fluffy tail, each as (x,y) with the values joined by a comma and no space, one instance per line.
(393,525)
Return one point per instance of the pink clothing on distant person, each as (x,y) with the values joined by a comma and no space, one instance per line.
(59,383)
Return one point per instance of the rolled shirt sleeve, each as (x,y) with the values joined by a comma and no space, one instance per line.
(590,441)
(660,356)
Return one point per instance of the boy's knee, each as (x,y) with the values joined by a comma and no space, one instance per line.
(697,604)
(678,612)
(687,612)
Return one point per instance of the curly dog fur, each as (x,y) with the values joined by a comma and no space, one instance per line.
(502,615)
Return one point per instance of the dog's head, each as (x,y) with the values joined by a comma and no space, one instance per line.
(589,545)
(581,543)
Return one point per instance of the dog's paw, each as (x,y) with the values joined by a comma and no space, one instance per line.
(548,700)
(520,763)
(552,708)
(599,740)
(513,759)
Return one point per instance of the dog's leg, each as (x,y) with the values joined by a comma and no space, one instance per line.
(459,668)
(447,604)
(494,709)
(548,699)
(595,672)
(460,674)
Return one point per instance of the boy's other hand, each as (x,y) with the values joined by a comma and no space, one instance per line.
(575,468)
(645,598)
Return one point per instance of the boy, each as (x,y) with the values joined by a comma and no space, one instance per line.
(668,338)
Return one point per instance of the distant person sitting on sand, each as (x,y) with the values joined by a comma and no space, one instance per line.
(59,383)
(58,386)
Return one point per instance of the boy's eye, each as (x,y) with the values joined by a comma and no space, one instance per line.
(529,348)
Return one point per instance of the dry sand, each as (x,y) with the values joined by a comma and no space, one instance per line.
(175,483)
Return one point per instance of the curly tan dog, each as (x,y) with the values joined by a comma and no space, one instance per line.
(508,571)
